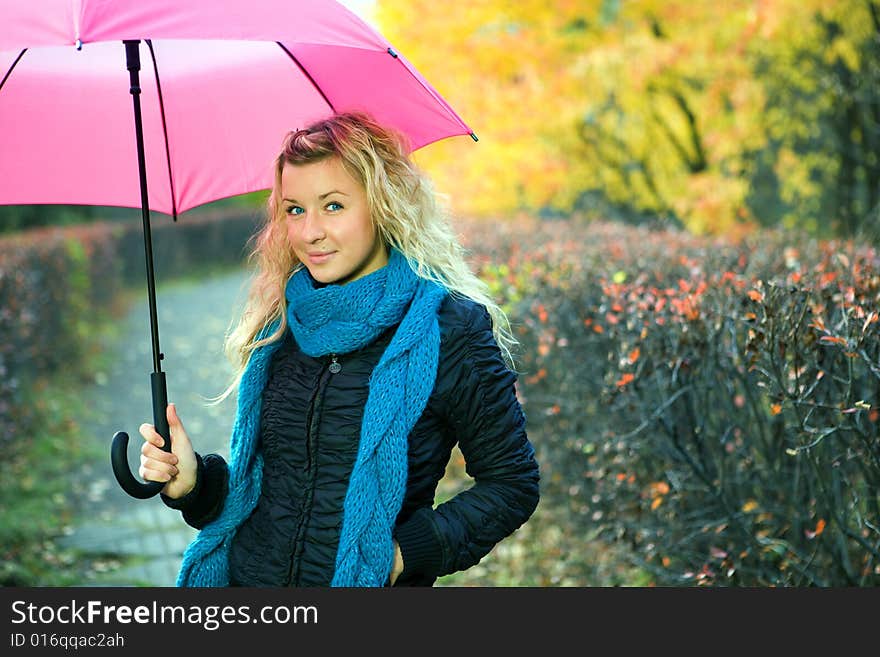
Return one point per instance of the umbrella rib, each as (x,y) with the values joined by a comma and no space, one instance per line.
(306,73)
(434,93)
(164,130)
(9,72)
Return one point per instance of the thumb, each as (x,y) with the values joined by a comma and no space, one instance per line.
(175,427)
(173,418)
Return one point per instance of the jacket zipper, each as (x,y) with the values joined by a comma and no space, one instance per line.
(315,403)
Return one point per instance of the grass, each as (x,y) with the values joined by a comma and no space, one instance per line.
(36,500)
(38,496)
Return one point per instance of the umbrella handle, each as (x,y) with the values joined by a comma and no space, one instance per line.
(119,446)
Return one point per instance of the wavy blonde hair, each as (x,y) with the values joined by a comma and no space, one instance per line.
(404,208)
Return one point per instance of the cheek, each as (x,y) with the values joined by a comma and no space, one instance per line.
(292,232)
(366,232)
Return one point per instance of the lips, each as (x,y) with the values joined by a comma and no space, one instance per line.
(318,257)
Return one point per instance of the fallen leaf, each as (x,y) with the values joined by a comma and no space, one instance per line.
(660,488)
(717,553)
(820,527)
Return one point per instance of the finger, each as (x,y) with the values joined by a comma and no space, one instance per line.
(148,431)
(159,466)
(148,474)
(173,417)
(151,451)
(175,427)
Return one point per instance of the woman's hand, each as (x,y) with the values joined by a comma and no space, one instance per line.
(177,467)
(397,568)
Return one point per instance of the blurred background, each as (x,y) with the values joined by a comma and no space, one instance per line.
(678,205)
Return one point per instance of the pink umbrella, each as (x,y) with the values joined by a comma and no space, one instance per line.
(223,81)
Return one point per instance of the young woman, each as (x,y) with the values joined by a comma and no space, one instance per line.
(366,352)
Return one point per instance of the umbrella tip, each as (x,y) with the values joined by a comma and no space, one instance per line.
(474,137)
(79,44)
(392,53)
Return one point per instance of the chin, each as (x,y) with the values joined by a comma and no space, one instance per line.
(324,277)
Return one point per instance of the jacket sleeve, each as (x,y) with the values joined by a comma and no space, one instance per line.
(487,419)
(205,501)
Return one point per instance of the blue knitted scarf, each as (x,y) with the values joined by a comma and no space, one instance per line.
(340,319)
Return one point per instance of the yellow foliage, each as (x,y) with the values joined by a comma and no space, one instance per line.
(652,104)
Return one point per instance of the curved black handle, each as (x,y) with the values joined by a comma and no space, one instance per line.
(119,461)
(119,447)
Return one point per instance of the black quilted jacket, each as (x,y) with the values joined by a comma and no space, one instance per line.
(310,425)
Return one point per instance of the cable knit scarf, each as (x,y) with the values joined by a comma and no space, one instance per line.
(338,319)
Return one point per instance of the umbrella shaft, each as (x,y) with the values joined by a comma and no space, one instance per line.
(133,64)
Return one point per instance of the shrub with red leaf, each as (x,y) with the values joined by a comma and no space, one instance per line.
(736,385)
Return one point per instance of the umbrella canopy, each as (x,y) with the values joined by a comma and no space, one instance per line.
(222,81)
(210,87)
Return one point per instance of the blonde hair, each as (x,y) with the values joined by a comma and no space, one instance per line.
(403,207)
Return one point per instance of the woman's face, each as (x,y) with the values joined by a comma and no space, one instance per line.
(327,212)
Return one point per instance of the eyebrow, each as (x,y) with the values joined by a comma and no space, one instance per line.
(321,197)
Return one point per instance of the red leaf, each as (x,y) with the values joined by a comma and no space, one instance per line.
(717,553)
(820,527)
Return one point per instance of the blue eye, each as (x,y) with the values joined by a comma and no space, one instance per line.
(333,206)
(294,210)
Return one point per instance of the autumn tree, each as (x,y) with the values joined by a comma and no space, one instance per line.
(820,66)
(698,111)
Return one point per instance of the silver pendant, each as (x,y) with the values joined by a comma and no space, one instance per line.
(335,368)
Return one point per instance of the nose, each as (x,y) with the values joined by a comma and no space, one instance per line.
(312,228)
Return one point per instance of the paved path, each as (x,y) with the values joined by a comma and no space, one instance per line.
(144,536)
